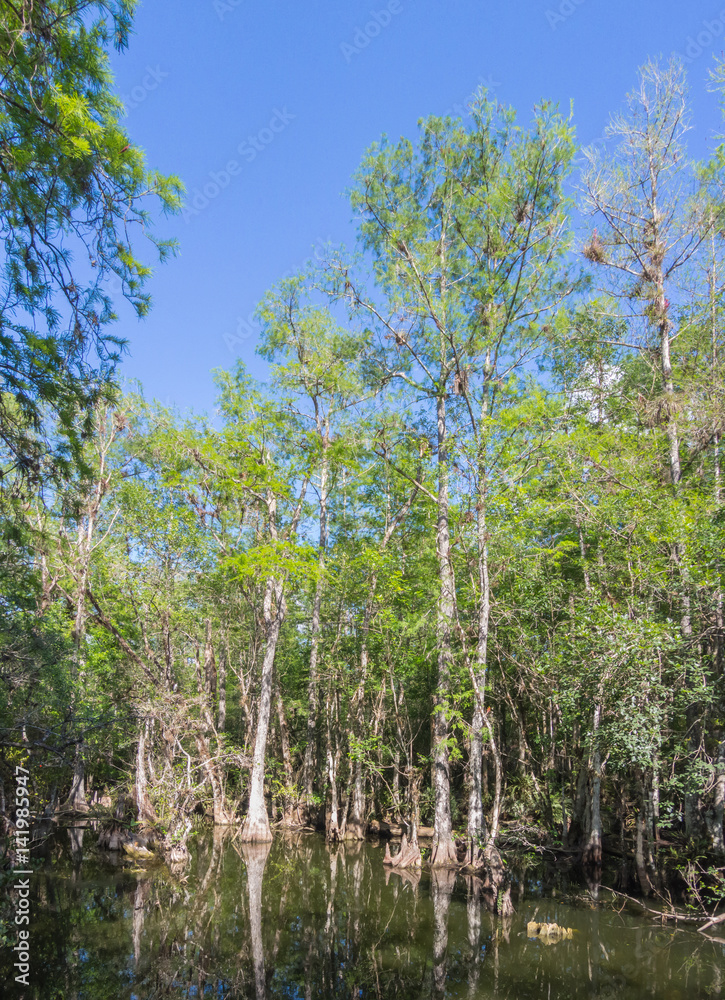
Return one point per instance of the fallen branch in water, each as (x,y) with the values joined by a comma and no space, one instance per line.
(712,921)
(704,920)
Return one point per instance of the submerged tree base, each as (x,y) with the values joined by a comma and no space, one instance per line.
(256,831)
(444,854)
(407,857)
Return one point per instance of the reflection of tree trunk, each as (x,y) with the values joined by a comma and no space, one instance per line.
(442,882)
(75,836)
(473,912)
(139,912)
(256,825)
(255,858)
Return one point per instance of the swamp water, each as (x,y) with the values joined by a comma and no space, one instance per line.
(298,920)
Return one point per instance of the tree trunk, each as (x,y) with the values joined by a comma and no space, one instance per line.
(146,814)
(76,801)
(256,825)
(476,822)
(719,800)
(444,851)
(222,702)
(497,781)
(308,767)
(332,826)
(210,674)
(593,847)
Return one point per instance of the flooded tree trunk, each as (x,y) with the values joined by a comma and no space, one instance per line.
(444,850)
(256,827)
(355,829)
(476,822)
(332,830)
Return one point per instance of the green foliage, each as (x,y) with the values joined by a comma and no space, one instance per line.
(72,187)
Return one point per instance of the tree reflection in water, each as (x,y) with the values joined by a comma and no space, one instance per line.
(255,857)
(301,920)
(442,882)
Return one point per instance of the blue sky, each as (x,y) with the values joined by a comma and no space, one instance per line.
(265,110)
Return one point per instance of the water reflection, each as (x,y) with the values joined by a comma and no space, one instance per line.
(299,920)
(255,857)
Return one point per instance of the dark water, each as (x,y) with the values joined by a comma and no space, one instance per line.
(300,921)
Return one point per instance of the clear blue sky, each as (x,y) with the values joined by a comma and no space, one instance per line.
(293,93)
